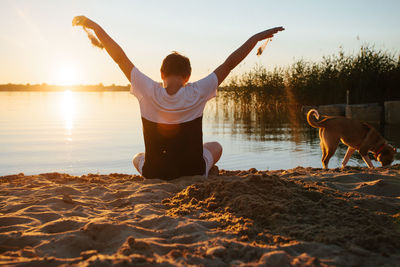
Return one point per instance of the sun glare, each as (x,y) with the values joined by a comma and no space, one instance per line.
(66,75)
(68,109)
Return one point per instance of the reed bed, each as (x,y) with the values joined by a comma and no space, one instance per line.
(370,75)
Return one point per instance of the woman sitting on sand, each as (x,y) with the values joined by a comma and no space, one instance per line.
(172,113)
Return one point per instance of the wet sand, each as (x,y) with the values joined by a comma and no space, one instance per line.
(297,217)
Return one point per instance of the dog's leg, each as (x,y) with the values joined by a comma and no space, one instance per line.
(324,149)
(367,160)
(324,153)
(364,147)
(331,142)
(346,158)
(328,156)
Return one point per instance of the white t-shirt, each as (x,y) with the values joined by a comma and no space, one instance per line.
(158,106)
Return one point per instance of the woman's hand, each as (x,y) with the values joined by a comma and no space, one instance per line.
(84,22)
(236,57)
(267,34)
(103,40)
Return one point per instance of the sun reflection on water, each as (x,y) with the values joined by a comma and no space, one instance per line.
(68,109)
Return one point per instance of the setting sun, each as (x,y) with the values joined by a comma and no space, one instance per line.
(66,75)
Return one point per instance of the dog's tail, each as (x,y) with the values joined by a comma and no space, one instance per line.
(312,117)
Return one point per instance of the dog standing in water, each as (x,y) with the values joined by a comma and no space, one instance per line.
(356,135)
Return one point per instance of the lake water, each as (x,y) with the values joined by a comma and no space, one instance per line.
(99,132)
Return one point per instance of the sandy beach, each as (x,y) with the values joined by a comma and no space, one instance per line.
(297,217)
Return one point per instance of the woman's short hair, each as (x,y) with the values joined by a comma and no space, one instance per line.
(176,64)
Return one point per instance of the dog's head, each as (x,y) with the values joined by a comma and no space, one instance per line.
(386,156)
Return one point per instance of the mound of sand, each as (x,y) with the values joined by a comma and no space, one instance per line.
(298,217)
(268,208)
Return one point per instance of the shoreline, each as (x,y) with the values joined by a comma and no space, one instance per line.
(300,216)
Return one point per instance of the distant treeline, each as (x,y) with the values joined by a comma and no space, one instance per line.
(370,76)
(46,87)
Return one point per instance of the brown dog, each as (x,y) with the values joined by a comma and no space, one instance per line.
(356,135)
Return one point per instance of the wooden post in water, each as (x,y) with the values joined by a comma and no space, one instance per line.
(347,110)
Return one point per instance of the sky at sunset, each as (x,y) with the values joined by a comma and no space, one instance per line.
(39,45)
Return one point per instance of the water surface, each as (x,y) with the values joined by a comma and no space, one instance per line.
(100,132)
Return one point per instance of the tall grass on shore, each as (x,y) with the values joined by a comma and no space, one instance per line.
(261,99)
(370,75)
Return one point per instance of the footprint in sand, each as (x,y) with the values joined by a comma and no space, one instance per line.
(61,226)
(10,220)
